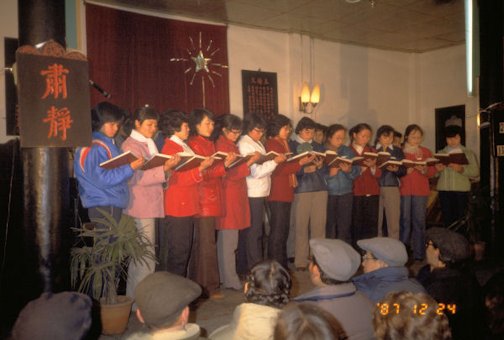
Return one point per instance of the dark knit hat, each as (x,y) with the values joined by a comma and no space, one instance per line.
(389,250)
(453,247)
(62,316)
(162,296)
(337,259)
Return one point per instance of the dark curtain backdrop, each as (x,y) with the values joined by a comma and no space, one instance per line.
(130,54)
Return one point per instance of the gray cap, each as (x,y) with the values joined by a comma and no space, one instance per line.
(389,250)
(162,296)
(336,258)
(452,246)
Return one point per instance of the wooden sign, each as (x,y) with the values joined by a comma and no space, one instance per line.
(260,94)
(53,94)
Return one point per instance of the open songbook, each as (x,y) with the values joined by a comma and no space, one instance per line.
(188,161)
(427,162)
(456,157)
(155,161)
(120,160)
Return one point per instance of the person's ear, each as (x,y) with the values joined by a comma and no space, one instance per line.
(139,316)
(184,316)
(137,124)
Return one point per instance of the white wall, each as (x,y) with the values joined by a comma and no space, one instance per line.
(358,84)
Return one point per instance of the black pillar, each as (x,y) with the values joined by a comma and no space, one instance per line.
(491,21)
(45,173)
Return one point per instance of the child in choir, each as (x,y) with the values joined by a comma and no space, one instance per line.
(320,135)
(101,189)
(454,179)
(390,197)
(181,199)
(415,191)
(366,189)
(250,250)
(310,194)
(203,264)
(145,188)
(283,182)
(397,139)
(339,185)
(236,210)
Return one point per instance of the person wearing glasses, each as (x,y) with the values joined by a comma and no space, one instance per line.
(384,270)
(250,250)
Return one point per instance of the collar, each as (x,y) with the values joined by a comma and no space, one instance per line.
(142,139)
(180,142)
(328,292)
(301,140)
(379,147)
(384,274)
(358,148)
(190,330)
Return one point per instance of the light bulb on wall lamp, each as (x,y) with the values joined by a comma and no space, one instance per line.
(309,99)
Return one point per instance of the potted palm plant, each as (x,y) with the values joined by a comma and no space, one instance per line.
(97,267)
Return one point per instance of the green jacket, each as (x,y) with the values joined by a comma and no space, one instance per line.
(450,180)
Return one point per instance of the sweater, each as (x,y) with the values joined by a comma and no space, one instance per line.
(450,180)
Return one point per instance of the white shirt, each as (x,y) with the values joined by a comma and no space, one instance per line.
(259,180)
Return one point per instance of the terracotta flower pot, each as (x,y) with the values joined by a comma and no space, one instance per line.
(115,317)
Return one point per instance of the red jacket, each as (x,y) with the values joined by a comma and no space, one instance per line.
(181,197)
(416,183)
(210,189)
(281,187)
(366,183)
(236,209)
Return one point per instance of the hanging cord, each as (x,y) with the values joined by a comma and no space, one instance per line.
(14,152)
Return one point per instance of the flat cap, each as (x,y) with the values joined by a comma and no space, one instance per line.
(389,250)
(336,258)
(453,247)
(162,296)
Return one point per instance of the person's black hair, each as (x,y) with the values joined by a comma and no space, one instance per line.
(106,112)
(358,128)
(197,116)
(171,121)
(276,123)
(384,130)
(268,284)
(412,128)
(305,123)
(307,321)
(397,134)
(144,113)
(253,121)
(229,122)
(324,277)
(452,131)
(332,129)
(321,127)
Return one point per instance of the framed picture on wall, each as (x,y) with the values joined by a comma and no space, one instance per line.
(451,115)
(260,94)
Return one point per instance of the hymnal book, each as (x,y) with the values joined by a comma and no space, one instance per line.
(155,161)
(240,160)
(188,161)
(267,157)
(452,157)
(366,156)
(298,156)
(219,155)
(344,159)
(391,161)
(427,162)
(383,156)
(330,157)
(117,161)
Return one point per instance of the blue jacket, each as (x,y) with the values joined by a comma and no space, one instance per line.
(98,186)
(388,178)
(309,182)
(342,183)
(376,284)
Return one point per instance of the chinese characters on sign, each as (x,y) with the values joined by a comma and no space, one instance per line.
(54,101)
(260,93)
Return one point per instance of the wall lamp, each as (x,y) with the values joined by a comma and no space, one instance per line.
(309,99)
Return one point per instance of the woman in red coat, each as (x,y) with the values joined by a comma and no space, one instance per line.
(180,198)
(236,211)
(203,267)
(283,182)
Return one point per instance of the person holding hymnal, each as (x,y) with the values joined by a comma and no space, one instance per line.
(146,189)
(100,189)
(454,184)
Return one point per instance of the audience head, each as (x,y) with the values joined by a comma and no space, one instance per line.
(229,126)
(385,135)
(162,300)
(404,315)
(336,135)
(382,252)
(174,122)
(334,261)
(107,118)
(305,128)
(146,121)
(453,135)
(494,304)
(413,134)
(361,134)
(280,126)
(202,122)
(60,316)
(308,322)
(268,283)
(254,126)
(320,134)
(445,247)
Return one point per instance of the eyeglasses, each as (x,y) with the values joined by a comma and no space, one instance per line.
(235,132)
(259,130)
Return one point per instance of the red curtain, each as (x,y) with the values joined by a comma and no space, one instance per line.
(129,56)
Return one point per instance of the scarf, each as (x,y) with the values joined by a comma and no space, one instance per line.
(142,139)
